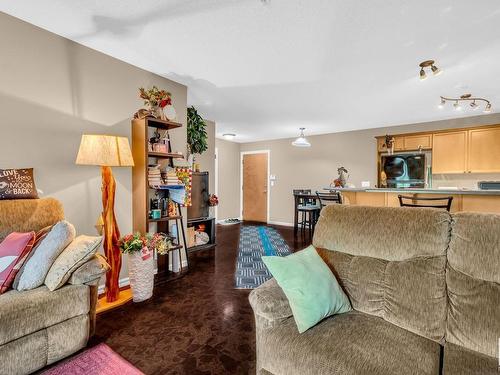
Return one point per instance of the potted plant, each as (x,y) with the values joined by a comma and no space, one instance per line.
(197,140)
(140,265)
(159,102)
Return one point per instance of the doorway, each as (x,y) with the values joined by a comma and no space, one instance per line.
(255,185)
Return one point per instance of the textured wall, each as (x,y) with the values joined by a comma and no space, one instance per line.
(51,91)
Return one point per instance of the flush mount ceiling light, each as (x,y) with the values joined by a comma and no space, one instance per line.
(228,136)
(428,63)
(301,141)
(466,98)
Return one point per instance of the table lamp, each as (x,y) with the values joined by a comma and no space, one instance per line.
(108,151)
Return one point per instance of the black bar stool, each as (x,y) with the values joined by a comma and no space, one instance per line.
(306,209)
(426,202)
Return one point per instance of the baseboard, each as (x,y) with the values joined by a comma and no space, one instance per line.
(282,223)
(126,282)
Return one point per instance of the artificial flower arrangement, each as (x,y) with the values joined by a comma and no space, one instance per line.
(154,97)
(133,243)
(213,200)
(159,103)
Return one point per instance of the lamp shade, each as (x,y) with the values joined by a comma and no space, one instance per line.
(104,150)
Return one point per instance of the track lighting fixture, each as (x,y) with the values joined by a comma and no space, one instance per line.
(301,141)
(466,98)
(428,63)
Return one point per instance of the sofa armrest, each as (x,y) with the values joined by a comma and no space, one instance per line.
(90,272)
(270,304)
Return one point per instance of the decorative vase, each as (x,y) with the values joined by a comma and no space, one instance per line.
(169,112)
(141,274)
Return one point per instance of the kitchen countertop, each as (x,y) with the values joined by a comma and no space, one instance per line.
(419,191)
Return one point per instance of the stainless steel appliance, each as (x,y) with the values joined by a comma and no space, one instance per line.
(403,170)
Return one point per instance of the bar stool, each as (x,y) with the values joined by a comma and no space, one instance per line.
(415,200)
(307,209)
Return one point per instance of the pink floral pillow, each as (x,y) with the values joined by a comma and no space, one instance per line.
(14,250)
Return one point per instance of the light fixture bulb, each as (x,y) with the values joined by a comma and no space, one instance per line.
(441,105)
(474,105)
(301,141)
(422,74)
(457,106)
(228,136)
(487,109)
(435,70)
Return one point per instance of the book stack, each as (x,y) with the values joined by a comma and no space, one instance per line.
(171,178)
(154,175)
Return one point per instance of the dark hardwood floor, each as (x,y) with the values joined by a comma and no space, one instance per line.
(198,324)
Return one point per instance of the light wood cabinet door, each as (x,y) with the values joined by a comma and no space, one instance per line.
(449,152)
(414,142)
(398,144)
(370,199)
(484,151)
(481,203)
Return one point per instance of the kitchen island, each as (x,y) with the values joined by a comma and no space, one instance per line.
(463,199)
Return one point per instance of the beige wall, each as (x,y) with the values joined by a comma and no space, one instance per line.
(316,167)
(228,160)
(51,91)
(207,159)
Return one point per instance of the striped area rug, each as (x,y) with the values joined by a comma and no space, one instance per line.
(256,241)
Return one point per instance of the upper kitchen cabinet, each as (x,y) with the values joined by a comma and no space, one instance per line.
(484,150)
(417,142)
(449,152)
(407,142)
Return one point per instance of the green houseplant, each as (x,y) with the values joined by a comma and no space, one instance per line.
(197,142)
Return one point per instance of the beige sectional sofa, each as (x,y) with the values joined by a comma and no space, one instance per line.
(424,286)
(39,327)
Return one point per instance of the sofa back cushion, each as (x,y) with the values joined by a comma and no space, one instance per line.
(25,215)
(390,261)
(473,279)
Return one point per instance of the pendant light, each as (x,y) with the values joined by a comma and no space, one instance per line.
(301,141)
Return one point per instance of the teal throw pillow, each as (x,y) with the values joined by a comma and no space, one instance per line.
(310,286)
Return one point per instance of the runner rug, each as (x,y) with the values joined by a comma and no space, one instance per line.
(256,241)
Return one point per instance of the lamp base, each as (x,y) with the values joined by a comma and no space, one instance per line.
(111,235)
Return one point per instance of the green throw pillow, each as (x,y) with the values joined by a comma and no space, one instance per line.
(310,286)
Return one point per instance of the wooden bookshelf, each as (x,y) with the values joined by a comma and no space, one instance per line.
(142,130)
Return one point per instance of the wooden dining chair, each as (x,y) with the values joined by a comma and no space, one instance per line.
(441,202)
(329,198)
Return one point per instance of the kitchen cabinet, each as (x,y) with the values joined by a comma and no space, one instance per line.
(398,144)
(481,203)
(415,142)
(484,151)
(449,152)
(370,199)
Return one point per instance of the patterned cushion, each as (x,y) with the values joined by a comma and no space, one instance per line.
(37,267)
(90,271)
(77,253)
(17,184)
(13,253)
(40,235)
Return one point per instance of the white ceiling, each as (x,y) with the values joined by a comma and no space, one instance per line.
(263,71)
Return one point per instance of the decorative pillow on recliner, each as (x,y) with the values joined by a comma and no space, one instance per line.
(82,249)
(17,184)
(310,286)
(36,268)
(14,250)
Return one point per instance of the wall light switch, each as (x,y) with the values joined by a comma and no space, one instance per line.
(365,184)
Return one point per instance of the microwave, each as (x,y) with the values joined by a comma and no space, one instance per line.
(403,170)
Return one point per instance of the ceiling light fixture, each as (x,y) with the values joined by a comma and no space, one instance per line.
(301,141)
(228,136)
(466,98)
(428,63)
